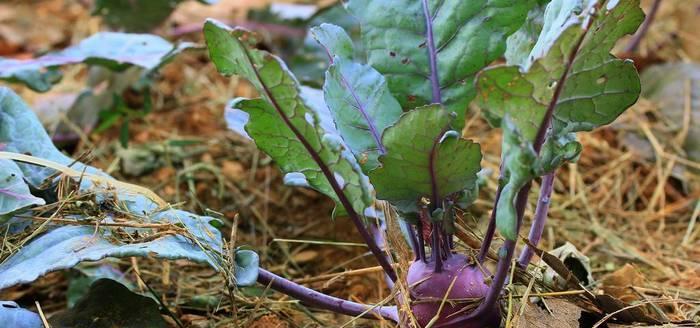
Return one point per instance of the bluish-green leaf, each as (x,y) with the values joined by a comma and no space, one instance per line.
(14,192)
(468,36)
(246,270)
(116,51)
(11,315)
(357,96)
(62,247)
(425,158)
(283,123)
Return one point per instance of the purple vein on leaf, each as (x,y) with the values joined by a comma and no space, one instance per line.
(432,54)
(435,199)
(10,193)
(337,189)
(360,106)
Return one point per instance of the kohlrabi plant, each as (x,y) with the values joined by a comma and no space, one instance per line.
(387,128)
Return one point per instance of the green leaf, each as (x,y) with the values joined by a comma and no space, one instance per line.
(283,124)
(334,40)
(468,36)
(599,86)
(119,14)
(357,96)
(116,51)
(425,158)
(597,89)
(519,157)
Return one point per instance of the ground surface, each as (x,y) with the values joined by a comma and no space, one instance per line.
(627,205)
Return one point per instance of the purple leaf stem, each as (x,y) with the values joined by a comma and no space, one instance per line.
(377,229)
(319,300)
(436,247)
(637,38)
(421,240)
(490,230)
(414,240)
(432,54)
(539,219)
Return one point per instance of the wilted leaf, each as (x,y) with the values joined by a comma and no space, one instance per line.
(618,284)
(64,246)
(623,311)
(570,265)
(468,36)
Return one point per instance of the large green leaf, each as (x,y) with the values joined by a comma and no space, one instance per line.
(467,35)
(357,96)
(574,49)
(599,86)
(425,158)
(116,51)
(282,123)
(62,247)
